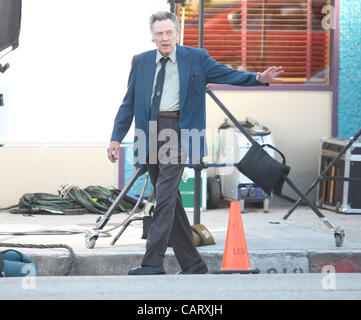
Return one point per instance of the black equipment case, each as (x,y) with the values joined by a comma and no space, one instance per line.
(340,189)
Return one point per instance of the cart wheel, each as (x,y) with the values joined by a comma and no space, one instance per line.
(339,237)
(90,242)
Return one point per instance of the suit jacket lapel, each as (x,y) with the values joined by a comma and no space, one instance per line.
(184,70)
(148,75)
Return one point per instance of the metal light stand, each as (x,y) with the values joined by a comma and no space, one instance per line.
(198,169)
(92,236)
(339,233)
(173,9)
(322,175)
(197,194)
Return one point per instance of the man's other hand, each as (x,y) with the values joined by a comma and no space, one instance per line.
(113,151)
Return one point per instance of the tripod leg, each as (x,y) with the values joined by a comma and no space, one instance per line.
(296,204)
(103,220)
(92,236)
(339,233)
(148,208)
(123,228)
(324,172)
(308,202)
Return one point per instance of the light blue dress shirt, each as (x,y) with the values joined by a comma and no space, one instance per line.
(170,96)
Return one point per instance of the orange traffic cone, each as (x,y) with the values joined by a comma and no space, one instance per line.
(235,256)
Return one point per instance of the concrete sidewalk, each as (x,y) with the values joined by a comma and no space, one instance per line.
(302,243)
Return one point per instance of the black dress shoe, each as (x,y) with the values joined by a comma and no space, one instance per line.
(198,268)
(146,270)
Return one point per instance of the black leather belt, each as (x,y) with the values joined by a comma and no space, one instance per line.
(169,114)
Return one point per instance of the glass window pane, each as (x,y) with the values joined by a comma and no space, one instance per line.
(252,35)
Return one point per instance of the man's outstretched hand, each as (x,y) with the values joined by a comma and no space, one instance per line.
(113,151)
(270,75)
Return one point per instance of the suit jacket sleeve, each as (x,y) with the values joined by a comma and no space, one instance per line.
(221,74)
(124,117)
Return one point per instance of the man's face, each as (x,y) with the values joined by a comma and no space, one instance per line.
(164,35)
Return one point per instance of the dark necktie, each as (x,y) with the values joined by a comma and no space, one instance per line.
(158,91)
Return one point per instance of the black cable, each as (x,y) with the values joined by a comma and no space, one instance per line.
(95,199)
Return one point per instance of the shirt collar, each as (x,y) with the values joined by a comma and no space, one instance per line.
(172,56)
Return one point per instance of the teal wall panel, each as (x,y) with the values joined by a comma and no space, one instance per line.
(349,101)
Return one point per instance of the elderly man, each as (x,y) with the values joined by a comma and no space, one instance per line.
(166,95)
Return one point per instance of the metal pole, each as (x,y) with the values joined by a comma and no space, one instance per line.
(197,195)
(198,169)
(200,23)
(172,6)
(182,24)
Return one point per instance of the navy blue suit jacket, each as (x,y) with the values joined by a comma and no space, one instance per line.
(196,70)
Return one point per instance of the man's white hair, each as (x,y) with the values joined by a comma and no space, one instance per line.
(163,15)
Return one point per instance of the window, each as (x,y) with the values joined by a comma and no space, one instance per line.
(252,35)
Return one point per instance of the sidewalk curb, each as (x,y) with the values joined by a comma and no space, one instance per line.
(343,262)
(92,263)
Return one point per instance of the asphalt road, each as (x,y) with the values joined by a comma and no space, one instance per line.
(307,286)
